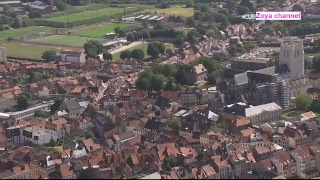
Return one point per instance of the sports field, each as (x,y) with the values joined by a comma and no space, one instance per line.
(17,33)
(64,40)
(26,50)
(86,15)
(100,31)
(178,11)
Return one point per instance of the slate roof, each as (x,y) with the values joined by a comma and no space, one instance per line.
(242,78)
(72,104)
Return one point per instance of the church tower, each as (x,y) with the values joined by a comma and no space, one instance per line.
(292,54)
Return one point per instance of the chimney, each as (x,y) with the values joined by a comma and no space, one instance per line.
(91,148)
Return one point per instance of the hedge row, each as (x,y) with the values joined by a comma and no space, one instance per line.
(94,20)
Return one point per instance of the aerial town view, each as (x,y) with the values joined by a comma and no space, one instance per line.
(159,89)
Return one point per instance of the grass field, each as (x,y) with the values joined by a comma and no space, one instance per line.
(178,11)
(172,10)
(64,40)
(26,50)
(140,46)
(86,15)
(17,33)
(100,31)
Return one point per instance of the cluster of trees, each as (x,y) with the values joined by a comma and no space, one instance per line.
(23,101)
(233,50)
(163,5)
(213,67)
(173,18)
(136,54)
(303,29)
(170,77)
(120,32)
(49,55)
(303,102)
(137,35)
(156,49)
(92,48)
(42,114)
(10,18)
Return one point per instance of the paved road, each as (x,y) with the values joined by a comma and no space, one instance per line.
(126,47)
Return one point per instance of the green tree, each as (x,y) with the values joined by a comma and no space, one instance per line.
(92,48)
(189,3)
(152,50)
(32,77)
(55,106)
(143,83)
(61,6)
(122,33)
(211,79)
(17,23)
(160,46)
(175,124)
(303,101)
(88,135)
(125,54)
(243,10)
(315,106)
(130,37)
(51,143)
(41,113)
(49,55)
(137,54)
(22,102)
(107,56)
(190,22)
(157,82)
(211,33)
(179,40)
(316,63)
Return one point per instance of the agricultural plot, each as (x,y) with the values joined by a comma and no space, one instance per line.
(64,40)
(101,30)
(86,15)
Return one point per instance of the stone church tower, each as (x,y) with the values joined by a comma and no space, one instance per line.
(292,54)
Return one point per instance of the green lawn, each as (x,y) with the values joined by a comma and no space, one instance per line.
(86,15)
(64,40)
(292,113)
(100,31)
(17,33)
(178,11)
(26,50)
(140,46)
(172,10)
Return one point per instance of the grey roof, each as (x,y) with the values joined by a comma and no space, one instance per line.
(155,175)
(77,166)
(242,78)
(6,103)
(72,104)
(190,90)
(126,135)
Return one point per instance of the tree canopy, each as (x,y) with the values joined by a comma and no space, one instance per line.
(303,101)
(22,102)
(49,55)
(92,48)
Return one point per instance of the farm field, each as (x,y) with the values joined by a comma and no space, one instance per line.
(26,50)
(17,33)
(144,47)
(64,40)
(86,15)
(100,31)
